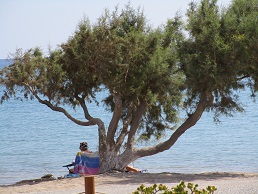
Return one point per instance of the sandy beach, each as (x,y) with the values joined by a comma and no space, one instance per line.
(125,183)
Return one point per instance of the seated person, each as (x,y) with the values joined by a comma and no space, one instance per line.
(86,162)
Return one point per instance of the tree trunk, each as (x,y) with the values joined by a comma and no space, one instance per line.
(111,160)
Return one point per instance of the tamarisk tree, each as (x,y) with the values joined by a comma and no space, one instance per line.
(150,74)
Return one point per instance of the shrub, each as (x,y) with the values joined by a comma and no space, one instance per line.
(178,189)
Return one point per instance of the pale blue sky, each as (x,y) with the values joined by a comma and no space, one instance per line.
(29,23)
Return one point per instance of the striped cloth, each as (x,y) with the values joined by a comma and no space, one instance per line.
(86,163)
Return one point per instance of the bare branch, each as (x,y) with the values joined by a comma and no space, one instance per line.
(115,119)
(135,123)
(60,109)
(243,77)
(206,101)
(84,107)
(124,131)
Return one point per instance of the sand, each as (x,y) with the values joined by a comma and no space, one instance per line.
(125,183)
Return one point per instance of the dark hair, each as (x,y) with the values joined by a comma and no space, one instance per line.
(83,146)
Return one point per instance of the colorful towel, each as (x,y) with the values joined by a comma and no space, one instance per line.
(86,163)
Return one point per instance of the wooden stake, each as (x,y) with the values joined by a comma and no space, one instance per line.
(89,185)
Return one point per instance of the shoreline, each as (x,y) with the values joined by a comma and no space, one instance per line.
(123,183)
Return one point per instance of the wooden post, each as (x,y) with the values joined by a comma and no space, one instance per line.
(89,185)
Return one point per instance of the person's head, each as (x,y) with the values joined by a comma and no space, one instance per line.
(83,146)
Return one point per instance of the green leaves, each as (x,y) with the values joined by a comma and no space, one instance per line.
(43,75)
(243,29)
(220,52)
(200,53)
(181,188)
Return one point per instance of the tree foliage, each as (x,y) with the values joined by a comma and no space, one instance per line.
(149,73)
(241,31)
(217,57)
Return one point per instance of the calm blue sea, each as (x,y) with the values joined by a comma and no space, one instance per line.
(35,141)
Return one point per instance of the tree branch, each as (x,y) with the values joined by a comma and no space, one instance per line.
(84,107)
(124,131)
(135,123)
(243,77)
(115,119)
(99,122)
(92,121)
(205,101)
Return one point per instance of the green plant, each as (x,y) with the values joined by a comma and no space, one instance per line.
(178,189)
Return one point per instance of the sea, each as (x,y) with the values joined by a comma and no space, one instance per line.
(36,141)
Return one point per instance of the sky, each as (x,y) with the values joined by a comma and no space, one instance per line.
(47,23)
